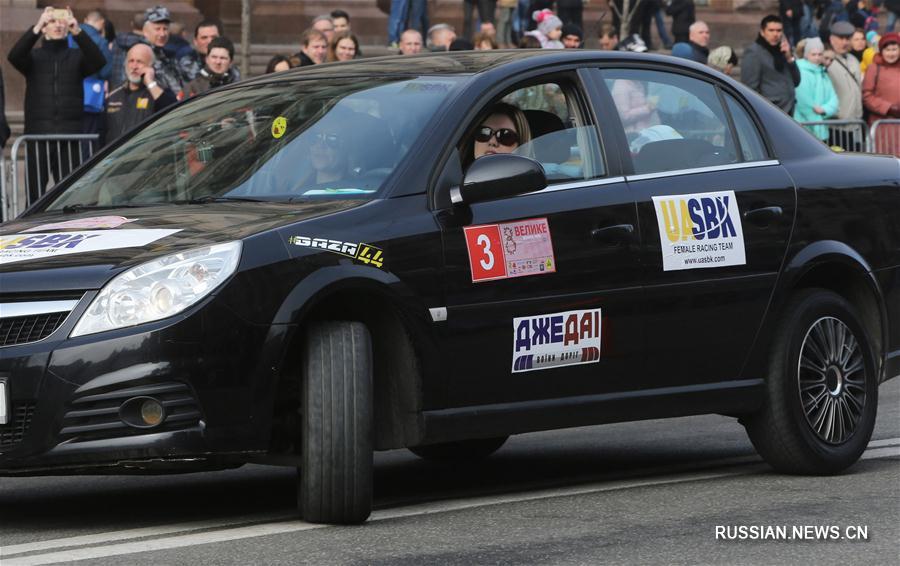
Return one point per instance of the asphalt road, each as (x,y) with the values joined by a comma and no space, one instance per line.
(652,492)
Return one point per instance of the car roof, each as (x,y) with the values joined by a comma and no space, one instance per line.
(466,63)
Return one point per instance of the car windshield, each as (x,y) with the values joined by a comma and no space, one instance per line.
(338,138)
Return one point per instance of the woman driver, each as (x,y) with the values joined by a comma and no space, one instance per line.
(329,157)
(504,130)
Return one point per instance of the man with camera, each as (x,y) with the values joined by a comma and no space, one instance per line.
(54,95)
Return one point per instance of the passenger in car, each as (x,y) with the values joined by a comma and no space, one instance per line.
(634,108)
(504,130)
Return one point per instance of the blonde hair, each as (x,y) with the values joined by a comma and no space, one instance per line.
(512,112)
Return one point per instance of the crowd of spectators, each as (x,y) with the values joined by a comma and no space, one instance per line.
(84,78)
(815,59)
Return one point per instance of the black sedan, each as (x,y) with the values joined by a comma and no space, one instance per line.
(436,252)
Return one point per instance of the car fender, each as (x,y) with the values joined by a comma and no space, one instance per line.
(829,252)
(400,394)
(319,284)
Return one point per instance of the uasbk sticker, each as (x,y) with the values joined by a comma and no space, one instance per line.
(552,340)
(512,249)
(700,230)
(22,247)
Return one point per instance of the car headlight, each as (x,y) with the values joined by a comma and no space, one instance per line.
(159,289)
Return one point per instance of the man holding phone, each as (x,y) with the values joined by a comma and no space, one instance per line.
(54,95)
(140,97)
(768,66)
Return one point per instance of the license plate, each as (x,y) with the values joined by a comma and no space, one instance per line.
(4,401)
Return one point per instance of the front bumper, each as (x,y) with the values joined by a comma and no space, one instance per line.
(212,371)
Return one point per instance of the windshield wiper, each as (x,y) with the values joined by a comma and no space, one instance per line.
(70,208)
(211,198)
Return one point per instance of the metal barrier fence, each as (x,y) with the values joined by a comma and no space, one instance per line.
(885,137)
(855,135)
(45,158)
(849,135)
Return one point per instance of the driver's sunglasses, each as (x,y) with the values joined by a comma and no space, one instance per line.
(332,141)
(504,136)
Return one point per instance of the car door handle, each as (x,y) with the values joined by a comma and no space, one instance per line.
(618,234)
(763,216)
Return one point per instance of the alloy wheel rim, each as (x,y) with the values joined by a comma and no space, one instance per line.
(831,376)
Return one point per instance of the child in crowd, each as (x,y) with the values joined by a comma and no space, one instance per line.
(549,29)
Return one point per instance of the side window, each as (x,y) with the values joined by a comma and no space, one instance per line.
(549,126)
(752,146)
(671,121)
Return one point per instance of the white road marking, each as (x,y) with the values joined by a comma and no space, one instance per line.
(162,543)
(143,532)
(879,449)
(884,442)
(885,452)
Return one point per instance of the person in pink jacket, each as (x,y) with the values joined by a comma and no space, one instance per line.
(881,93)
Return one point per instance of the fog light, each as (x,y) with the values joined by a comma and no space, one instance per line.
(142,412)
(152,412)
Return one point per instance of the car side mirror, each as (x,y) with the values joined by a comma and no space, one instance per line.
(497,176)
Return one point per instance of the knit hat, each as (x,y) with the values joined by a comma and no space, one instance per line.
(872,37)
(813,44)
(546,20)
(572,29)
(887,39)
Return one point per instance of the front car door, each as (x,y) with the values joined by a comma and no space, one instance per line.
(541,288)
(716,213)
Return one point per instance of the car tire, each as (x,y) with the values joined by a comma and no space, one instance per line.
(462,450)
(335,478)
(818,415)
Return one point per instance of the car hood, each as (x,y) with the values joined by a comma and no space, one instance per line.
(67,252)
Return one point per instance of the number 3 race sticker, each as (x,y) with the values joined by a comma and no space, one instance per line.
(513,249)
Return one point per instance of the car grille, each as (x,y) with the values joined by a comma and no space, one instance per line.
(29,319)
(96,416)
(13,432)
(24,329)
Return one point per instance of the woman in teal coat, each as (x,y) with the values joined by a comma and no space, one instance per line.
(816,99)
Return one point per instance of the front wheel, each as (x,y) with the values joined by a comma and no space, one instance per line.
(822,390)
(335,482)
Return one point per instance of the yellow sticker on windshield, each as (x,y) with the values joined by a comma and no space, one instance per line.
(279,127)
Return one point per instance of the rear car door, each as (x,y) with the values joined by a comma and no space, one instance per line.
(567,324)
(716,213)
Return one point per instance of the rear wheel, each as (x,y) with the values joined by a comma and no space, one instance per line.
(475,449)
(335,482)
(821,390)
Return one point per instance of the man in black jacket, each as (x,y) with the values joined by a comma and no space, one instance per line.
(54,96)
(682,12)
(139,97)
(791,12)
(314,50)
(217,70)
